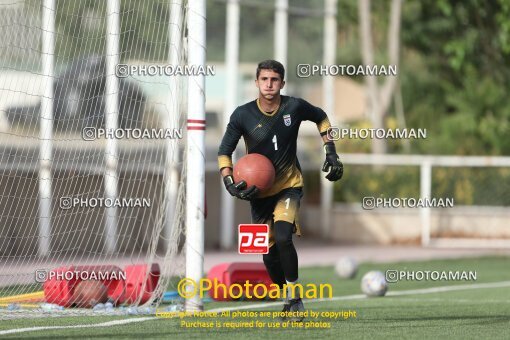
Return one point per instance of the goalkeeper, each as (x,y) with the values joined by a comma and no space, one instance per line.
(269,126)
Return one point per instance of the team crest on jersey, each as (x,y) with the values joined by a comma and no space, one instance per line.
(286,120)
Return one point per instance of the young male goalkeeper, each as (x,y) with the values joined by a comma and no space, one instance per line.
(269,126)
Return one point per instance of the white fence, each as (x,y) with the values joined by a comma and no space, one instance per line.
(426,163)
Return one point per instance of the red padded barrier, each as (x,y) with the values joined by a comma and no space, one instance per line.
(237,272)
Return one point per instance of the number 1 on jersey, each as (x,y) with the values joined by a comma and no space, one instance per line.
(275,142)
(287,202)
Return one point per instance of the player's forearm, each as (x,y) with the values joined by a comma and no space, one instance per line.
(226,172)
(228,145)
(226,149)
(325,138)
(225,165)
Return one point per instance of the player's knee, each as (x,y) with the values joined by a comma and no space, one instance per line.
(271,259)
(268,260)
(283,233)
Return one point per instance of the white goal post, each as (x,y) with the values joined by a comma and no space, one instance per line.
(195,193)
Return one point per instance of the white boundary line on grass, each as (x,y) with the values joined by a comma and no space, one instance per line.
(270,304)
(103,324)
(396,293)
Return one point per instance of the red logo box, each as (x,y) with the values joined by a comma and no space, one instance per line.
(253,239)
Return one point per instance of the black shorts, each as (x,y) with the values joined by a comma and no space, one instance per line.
(283,206)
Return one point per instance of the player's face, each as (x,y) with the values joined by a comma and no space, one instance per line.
(269,84)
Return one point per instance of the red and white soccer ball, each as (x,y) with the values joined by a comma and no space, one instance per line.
(346,268)
(374,283)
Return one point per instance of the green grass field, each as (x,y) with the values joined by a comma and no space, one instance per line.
(412,309)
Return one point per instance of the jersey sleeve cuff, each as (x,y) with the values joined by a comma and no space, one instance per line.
(224,162)
(323,126)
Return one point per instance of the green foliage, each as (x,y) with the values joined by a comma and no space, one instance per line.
(454,72)
(480,122)
(472,186)
(504,25)
(363,181)
(457,35)
(467,186)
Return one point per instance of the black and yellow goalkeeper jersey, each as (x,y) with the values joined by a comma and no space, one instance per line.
(273,135)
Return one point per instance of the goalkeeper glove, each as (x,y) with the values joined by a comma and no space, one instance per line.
(332,163)
(239,190)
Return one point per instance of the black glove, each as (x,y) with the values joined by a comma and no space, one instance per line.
(332,163)
(239,190)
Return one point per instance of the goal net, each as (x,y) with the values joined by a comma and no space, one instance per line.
(92,156)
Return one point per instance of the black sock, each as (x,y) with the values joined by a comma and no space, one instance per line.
(274,266)
(288,255)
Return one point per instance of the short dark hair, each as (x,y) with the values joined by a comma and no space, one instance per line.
(272,65)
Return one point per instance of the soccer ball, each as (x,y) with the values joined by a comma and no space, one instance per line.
(346,268)
(374,283)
